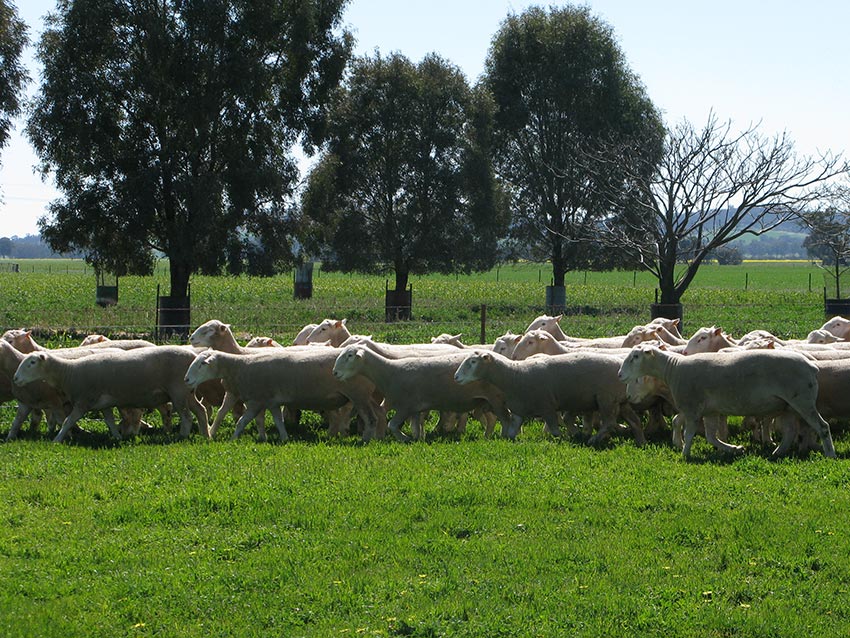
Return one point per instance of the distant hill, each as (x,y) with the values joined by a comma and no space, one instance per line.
(776,244)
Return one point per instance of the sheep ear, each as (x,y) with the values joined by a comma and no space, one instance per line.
(457,336)
(675,322)
(718,331)
(558,318)
(517,338)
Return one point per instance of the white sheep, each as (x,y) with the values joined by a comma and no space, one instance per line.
(506,344)
(414,385)
(138,378)
(101,341)
(585,381)
(839,326)
(333,330)
(301,338)
(301,378)
(748,383)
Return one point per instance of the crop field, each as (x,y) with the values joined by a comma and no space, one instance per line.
(459,536)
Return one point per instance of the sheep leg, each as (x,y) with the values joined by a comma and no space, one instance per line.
(631,417)
(227,404)
(247,416)
(788,424)
(819,425)
(260,422)
(417,426)
(712,425)
(75,415)
(278,421)
(677,439)
(109,417)
(395,424)
(691,425)
(608,423)
(21,414)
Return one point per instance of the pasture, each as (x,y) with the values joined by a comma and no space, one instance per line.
(460,536)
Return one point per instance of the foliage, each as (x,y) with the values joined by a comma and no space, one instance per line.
(561,88)
(13,73)
(168,125)
(406,185)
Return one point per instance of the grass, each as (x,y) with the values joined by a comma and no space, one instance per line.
(469,538)
(461,536)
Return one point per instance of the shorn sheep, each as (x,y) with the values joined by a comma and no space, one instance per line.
(139,378)
(745,383)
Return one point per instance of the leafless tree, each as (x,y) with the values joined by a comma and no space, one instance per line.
(711,187)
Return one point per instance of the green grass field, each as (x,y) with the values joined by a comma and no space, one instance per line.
(459,536)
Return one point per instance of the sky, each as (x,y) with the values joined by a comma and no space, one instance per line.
(781,65)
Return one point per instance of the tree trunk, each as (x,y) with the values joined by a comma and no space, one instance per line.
(559,265)
(401,277)
(180,273)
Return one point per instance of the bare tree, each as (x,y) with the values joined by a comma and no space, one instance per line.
(711,187)
(829,236)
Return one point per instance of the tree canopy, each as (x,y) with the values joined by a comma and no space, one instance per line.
(406,185)
(168,125)
(13,74)
(562,89)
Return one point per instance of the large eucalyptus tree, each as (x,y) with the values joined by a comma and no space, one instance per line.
(168,124)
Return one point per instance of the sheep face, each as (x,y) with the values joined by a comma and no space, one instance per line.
(21,340)
(452,340)
(263,342)
(506,344)
(92,339)
(332,330)
(202,369)
(639,334)
(703,340)
(31,369)
(544,322)
(206,334)
(636,362)
(472,368)
(349,363)
(531,343)
(822,336)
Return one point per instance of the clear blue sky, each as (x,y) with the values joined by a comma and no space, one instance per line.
(780,63)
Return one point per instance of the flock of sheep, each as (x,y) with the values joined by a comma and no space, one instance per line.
(650,379)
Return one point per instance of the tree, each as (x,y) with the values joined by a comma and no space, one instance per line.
(6,247)
(168,125)
(13,74)
(405,185)
(562,87)
(711,187)
(829,236)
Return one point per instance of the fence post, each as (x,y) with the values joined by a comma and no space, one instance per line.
(483,324)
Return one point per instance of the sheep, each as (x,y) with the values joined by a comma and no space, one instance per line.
(671,325)
(550,324)
(138,378)
(100,341)
(839,326)
(708,340)
(415,385)
(822,336)
(301,338)
(32,398)
(272,377)
(22,340)
(262,342)
(585,381)
(748,383)
(332,330)
(506,344)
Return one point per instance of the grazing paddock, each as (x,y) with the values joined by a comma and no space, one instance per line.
(459,536)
